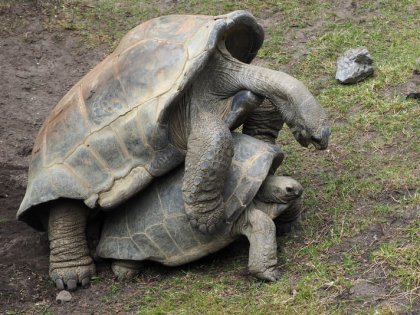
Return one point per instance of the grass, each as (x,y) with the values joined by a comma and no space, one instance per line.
(361,209)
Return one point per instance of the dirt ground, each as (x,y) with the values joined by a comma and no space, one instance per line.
(37,68)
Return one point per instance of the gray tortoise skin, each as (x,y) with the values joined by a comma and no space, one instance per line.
(154,226)
(172,91)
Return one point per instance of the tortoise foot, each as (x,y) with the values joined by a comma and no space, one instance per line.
(208,223)
(271,274)
(125,269)
(71,277)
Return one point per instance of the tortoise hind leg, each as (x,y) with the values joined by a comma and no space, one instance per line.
(260,230)
(70,262)
(126,269)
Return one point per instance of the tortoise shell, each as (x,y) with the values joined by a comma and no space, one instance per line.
(108,136)
(154,226)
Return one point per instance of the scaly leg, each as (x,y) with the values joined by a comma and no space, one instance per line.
(261,233)
(70,262)
(209,154)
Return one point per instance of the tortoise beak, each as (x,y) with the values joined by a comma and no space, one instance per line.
(321,142)
(318,140)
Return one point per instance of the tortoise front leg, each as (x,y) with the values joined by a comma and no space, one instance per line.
(209,154)
(260,230)
(70,262)
(243,104)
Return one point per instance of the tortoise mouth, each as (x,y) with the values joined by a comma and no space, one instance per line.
(320,142)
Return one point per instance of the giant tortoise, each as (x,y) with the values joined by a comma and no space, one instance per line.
(153,225)
(171,91)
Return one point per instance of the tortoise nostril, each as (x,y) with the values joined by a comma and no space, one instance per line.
(316,139)
(289,189)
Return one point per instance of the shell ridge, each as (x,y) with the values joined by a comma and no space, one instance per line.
(130,235)
(153,242)
(82,107)
(160,41)
(165,216)
(101,161)
(121,144)
(75,174)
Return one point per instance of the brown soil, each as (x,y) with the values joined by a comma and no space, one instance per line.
(37,68)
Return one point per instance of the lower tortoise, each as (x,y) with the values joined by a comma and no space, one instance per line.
(171,92)
(154,226)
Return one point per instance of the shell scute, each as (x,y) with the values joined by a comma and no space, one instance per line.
(104,97)
(132,139)
(171,207)
(150,69)
(86,166)
(148,248)
(180,230)
(106,144)
(125,187)
(171,28)
(69,120)
(160,236)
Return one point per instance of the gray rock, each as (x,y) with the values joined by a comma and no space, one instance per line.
(63,296)
(354,66)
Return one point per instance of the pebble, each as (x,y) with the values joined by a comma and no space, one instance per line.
(354,66)
(63,296)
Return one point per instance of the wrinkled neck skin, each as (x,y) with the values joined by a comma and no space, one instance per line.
(224,76)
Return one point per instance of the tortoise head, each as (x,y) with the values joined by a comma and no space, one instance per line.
(298,108)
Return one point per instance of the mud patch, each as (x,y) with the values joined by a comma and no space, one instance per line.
(37,68)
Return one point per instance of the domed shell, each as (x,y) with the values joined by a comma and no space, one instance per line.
(153,225)
(107,138)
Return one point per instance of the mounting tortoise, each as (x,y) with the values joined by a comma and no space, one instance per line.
(171,91)
(154,226)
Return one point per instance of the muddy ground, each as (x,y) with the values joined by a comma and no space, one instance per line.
(37,68)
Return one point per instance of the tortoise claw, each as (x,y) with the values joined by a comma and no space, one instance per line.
(59,284)
(71,285)
(271,274)
(85,282)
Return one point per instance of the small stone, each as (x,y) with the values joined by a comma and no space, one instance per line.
(354,66)
(63,296)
